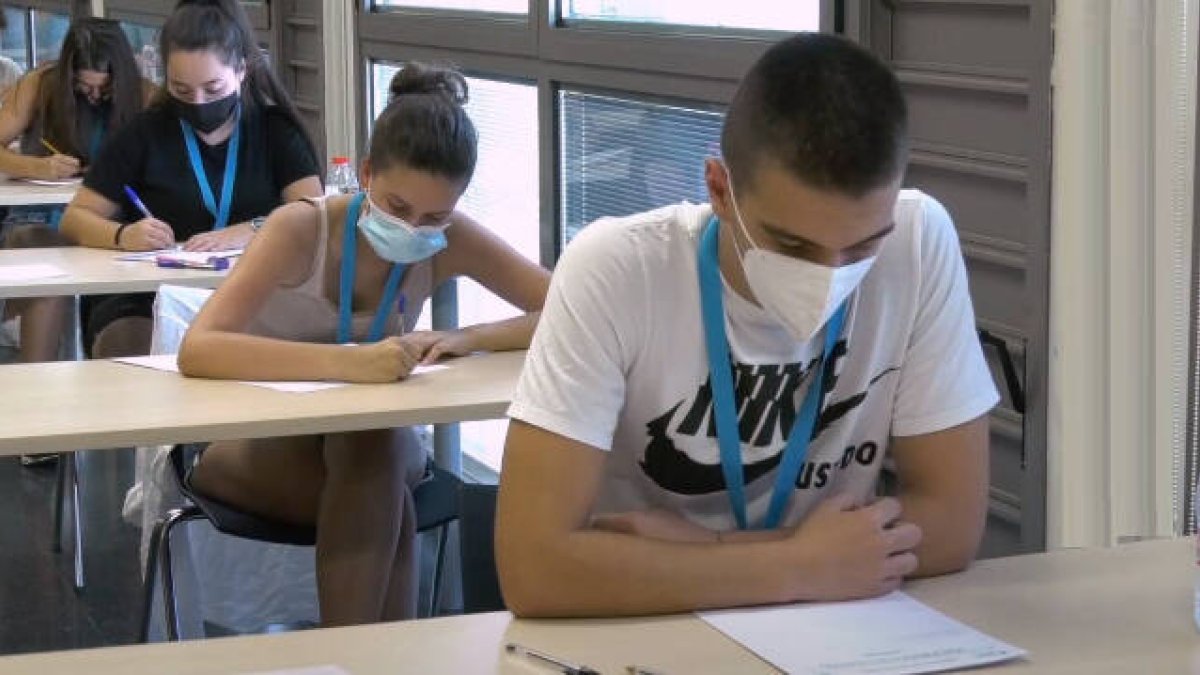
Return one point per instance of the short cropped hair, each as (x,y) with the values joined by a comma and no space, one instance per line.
(823,108)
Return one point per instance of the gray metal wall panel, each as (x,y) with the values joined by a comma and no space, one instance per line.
(976,73)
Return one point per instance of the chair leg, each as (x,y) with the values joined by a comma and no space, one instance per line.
(435,591)
(167,574)
(148,584)
(60,490)
(78,518)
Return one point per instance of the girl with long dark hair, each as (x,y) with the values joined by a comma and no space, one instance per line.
(219,149)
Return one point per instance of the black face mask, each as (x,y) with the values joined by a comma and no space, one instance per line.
(99,107)
(206,117)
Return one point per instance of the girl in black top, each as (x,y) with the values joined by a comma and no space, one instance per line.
(219,149)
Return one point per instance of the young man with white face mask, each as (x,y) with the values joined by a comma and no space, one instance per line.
(713,390)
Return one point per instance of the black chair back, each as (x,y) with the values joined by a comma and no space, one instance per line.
(477,522)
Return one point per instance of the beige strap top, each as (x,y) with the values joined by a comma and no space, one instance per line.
(303,313)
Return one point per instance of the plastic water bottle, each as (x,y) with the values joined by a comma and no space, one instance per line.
(150,63)
(340,179)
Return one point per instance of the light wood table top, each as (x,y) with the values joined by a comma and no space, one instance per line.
(1125,610)
(76,405)
(91,271)
(23,193)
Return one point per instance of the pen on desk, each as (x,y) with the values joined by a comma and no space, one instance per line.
(213,263)
(564,667)
(639,670)
(137,201)
(51,148)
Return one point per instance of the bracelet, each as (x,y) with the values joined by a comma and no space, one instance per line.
(117,234)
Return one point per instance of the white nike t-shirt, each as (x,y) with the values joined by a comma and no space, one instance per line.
(619,363)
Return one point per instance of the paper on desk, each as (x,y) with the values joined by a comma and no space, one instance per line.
(195,257)
(31,272)
(168,363)
(311,670)
(60,182)
(892,635)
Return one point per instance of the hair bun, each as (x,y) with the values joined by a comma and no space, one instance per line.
(419,78)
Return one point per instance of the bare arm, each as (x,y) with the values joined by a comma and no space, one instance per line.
(479,254)
(553,563)
(944,490)
(216,345)
(16,116)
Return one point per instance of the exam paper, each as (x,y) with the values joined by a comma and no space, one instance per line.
(168,363)
(312,670)
(61,182)
(31,272)
(195,257)
(892,635)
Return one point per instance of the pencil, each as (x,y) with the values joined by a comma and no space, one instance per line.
(51,148)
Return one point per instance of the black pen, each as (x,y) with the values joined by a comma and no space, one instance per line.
(564,667)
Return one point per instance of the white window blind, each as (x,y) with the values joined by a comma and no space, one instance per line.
(622,156)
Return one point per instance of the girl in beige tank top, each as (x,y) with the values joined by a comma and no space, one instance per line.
(279,316)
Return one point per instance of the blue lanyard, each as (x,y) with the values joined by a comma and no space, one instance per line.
(97,139)
(221,213)
(346,287)
(99,127)
(724,409)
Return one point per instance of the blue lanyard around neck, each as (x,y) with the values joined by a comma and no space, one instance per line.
(96,142)
(346,286)
(724,408)
(219,212)
(99,125)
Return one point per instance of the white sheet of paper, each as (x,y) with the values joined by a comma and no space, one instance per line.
(32,272)
(61,182)
(311,670)
(892,635)
(179,254)
(169,363)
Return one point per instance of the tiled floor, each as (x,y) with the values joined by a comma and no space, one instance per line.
(39,610)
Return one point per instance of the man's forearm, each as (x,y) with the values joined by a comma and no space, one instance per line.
(950,538)
(597,573)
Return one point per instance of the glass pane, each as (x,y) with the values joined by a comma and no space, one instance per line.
(49,29)
(14,41)
(500,6)
(503,196)
(623,156)
(792,15)
(143,39)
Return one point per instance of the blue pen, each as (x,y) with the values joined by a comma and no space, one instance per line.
(137,202)
(214,263)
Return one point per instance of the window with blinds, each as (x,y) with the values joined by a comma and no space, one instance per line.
(14,41)
(794,16)
(498,6)
(49,29)
(624,155)
(504,197)
(31,48)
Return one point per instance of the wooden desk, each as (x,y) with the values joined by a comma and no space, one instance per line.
(1123,611)
(66,406)
(22,193)
(92,271)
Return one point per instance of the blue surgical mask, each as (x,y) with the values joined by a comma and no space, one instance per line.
(396,240)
